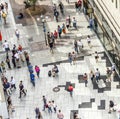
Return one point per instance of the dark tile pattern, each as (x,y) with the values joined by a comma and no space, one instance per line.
(102,105)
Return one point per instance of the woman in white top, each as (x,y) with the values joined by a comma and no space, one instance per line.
(89,41)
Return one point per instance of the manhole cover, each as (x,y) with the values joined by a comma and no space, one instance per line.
(56,89)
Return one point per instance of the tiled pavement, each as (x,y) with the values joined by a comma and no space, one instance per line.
(87,101)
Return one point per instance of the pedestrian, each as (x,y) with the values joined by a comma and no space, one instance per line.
(37,112)
(20,48)
(61,8)
(96,56)
(44,103)
(0,38)
(21,55)
(37,69)
(79,4)
(59,31)
(4,16)
(55,34)
(27,57)
(56,14)
(70,58)
(22,90)
(74,23)
(85,78)
(10,107)
(17,33)
(92,76)
(39,115)
(13,61)
(30,68)
(97,74)
(32,78)
(70,89)
(89,41)
(3,66)
(6,46)
(80,45)
(108,73)
(12,82)
(60,115)
(8,62)
(76,7)
(74,58)
(54,106)
(76,46)
(63,28)
(6,86)
(49,107)
(52,38)
(6,7)
(51,46)
(111,106)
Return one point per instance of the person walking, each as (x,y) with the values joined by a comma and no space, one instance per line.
(49,107)
(37,112)
(13,61)
(54,106)
(10,107)
(8,62)
(96,56)
(89,41)
(97,74)
(60,115)
(17,33)
(70,89)
(51,46)
(3,66)
(44,103)
(76,46)
(22,90)
(4,16)
(74,23)
(85,78)
(74,58)
(59,31)
(70,58)
(12,82)
(56,14)
(0,38)
(80,45)
(6,46)
(61,8)
(32,78)
(37,69)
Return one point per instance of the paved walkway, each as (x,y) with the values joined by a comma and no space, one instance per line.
(90,102)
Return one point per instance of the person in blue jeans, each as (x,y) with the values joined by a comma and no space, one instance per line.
(32,77)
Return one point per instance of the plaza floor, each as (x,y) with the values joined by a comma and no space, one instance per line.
(90,102)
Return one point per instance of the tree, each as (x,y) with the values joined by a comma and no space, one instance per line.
(33,3)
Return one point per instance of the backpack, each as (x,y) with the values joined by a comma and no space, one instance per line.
(4,15)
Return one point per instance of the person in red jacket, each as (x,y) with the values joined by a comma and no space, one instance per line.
(0,37)
(70,89)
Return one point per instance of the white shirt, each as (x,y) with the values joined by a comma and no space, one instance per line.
(88,39)
(6,45)
(80,43)
(16,55)
(16,32)
(97,73)
(12,81)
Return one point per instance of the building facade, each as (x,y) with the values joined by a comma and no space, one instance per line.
(106,15)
